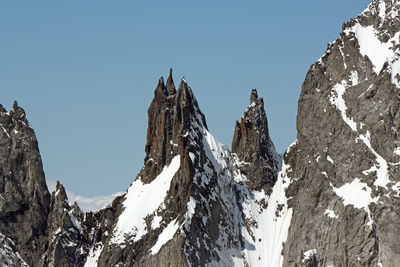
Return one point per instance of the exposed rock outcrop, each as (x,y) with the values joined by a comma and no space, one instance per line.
(24,198)
(344,167)
(254,148)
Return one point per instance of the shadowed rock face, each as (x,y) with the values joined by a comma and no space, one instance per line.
(252,145)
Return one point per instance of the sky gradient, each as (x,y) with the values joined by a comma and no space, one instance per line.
(85,72)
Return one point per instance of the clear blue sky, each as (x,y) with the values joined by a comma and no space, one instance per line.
(85,72)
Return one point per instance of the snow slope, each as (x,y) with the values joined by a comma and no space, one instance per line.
(141,201)
(269,229)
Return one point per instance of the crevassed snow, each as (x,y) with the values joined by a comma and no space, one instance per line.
(141,201)
(331,214)
(93,256)
(271,230)
(166,235)
(357,194)
(309,254)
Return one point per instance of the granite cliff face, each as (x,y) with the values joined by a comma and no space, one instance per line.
(344,188)
(331,201)
(24,198)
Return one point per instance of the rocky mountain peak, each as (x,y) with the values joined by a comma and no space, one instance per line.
(60,193)
(253,96)
(252,145)
(170,84)
(64,231)
(24,197)
(16,118)
(171,114)
(2,109)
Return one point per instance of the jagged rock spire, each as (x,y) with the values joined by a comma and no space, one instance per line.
(170,84)
(170,114)
(251,143)
(253,96)
(60,192)
(24,197)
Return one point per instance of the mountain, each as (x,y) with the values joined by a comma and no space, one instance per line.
(194,202)
(344,189)
(330,200)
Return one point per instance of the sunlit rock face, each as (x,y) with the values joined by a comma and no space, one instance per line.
(344,187)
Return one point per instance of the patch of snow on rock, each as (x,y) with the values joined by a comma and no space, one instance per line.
(166,235)
(93,256)
(331,214)
(337,100)
(382,173)
(357,194)
(309,254)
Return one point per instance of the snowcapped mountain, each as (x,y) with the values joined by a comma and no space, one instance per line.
(191,203)
(194,203)
(331,200)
